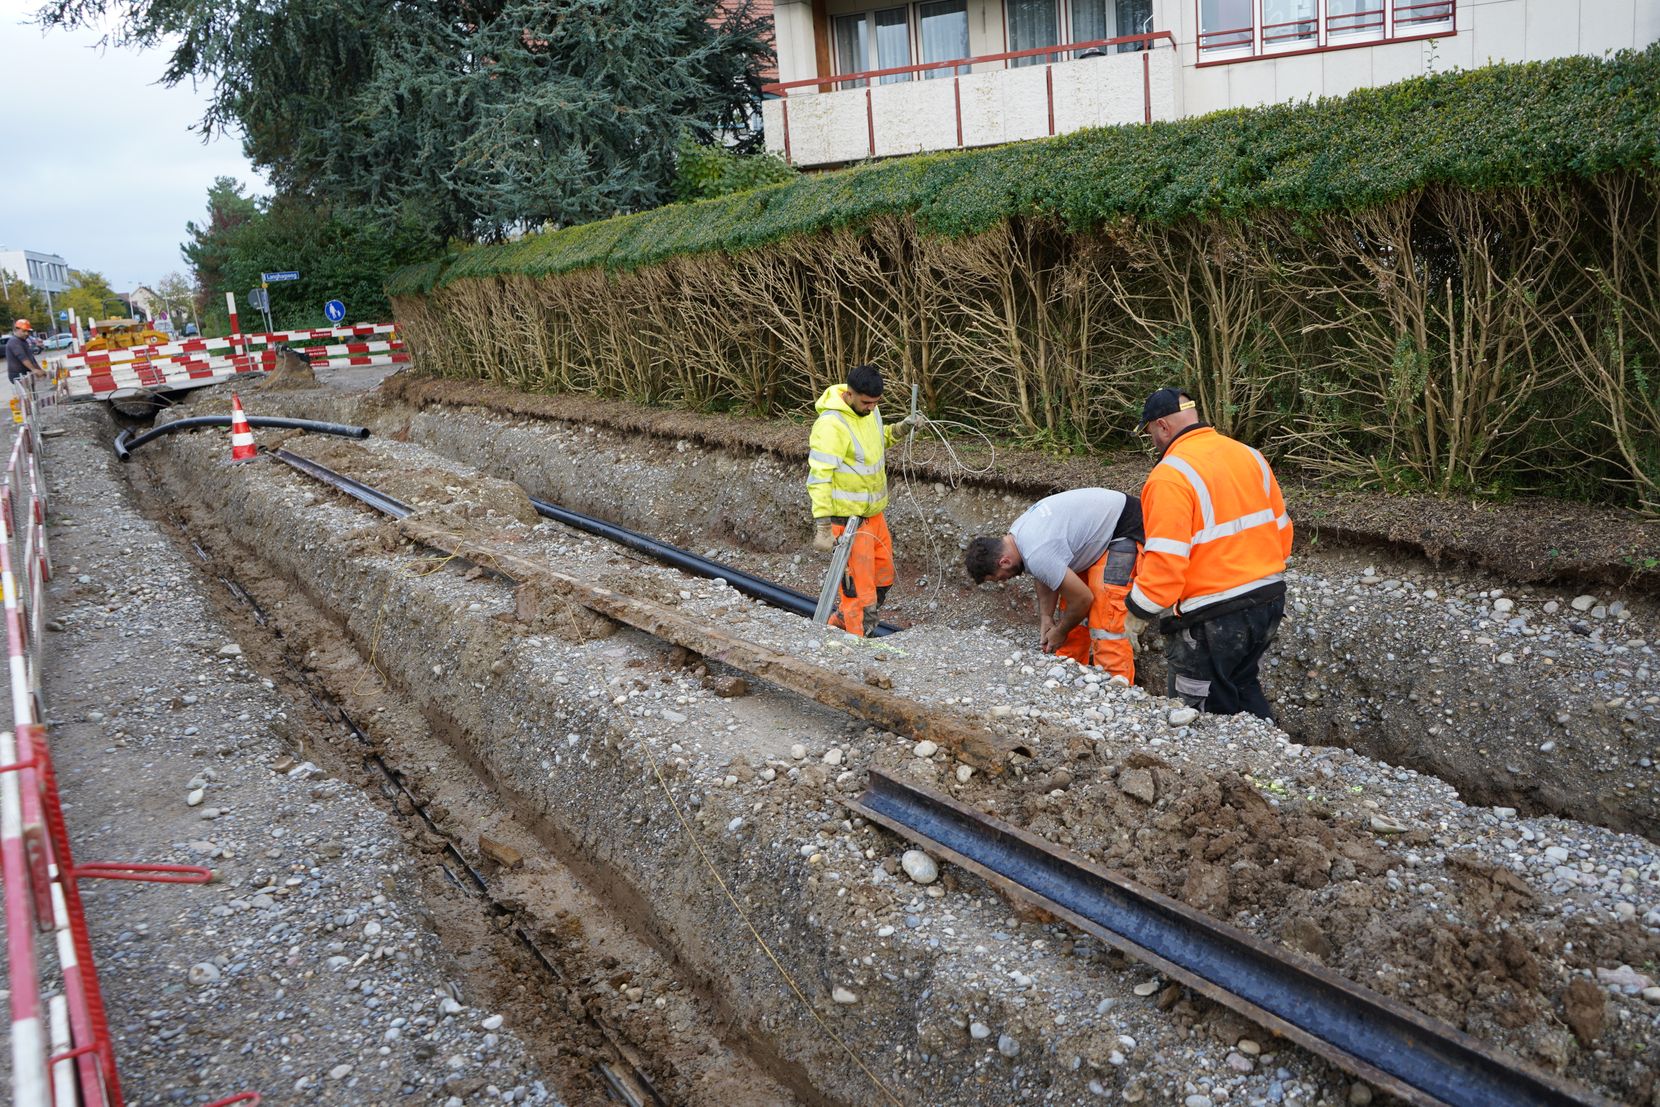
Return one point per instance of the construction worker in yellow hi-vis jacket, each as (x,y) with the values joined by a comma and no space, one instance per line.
(847,477)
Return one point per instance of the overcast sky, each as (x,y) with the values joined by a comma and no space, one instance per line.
(122,172)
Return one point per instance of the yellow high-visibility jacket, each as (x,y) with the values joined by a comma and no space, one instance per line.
(846,472)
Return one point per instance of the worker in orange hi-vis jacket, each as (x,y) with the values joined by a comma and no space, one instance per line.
(1212,569)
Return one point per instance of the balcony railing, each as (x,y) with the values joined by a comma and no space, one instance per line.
(844,89)
(1380,23)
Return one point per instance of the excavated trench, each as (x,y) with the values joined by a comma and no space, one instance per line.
(697,818)
(1541,707)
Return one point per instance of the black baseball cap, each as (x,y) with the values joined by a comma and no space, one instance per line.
(1166,401)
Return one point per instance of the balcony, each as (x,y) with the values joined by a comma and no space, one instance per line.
(979,101)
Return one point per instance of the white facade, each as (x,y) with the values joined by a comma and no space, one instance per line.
(43,272)
(1206,55)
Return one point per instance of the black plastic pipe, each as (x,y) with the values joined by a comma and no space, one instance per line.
(124,446)
(686,561)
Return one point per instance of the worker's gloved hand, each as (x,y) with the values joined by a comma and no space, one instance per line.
(914,421)
(824,539)
(1135,627)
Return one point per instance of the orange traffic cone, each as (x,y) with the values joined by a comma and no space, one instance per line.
(242,435)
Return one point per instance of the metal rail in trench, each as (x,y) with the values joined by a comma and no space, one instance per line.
(1417,1058)
(746,583)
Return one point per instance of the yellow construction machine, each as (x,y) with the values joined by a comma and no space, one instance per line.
(122,334)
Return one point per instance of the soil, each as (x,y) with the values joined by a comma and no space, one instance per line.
(1494,920)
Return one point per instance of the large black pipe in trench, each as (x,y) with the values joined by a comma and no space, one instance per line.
(764,590)
(124,446)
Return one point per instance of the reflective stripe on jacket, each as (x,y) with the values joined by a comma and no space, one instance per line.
(846,469)
(1216,526)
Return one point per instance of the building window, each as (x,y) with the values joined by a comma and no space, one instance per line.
(1095,20)
(1354,17)
(873,40)
(1033,23)
(1234,28)
(1289,22)
(1225,25)
(942,33)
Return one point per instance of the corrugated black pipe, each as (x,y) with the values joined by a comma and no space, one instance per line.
(124,446)
(756,587)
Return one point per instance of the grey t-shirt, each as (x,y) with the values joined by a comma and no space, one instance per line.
(1070,530)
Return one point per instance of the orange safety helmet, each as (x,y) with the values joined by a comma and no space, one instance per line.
(22,325)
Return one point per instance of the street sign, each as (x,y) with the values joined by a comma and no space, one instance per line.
(335,310)
(259,299)
(64,315)
(289,275)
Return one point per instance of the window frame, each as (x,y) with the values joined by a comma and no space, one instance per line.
(872,48)
(1394,26)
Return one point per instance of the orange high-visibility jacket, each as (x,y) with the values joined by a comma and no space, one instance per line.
(1216,527)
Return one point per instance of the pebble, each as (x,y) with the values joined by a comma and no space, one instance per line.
(1583,603)
(978,1031)
(340,1072)
(798,751)
(1182,716)
(194,799)
(1504,606)
(844,995)
(926,748)
(964,773)
(919,866)
(205,972)
(1146,987)
(834,757)
(671,716)
(1007,1046)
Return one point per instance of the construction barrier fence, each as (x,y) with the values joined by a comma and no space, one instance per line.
(195,362)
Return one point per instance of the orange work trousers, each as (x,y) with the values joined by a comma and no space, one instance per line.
(868,577)
(1101,640)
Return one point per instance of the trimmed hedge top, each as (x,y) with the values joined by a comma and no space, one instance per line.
(1501,126)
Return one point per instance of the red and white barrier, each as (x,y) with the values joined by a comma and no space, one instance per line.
(195,362)
(62,1052)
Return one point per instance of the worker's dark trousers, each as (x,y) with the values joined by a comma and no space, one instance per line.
(1213,666)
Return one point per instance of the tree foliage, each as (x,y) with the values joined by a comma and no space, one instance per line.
(706,170)
(90,297)
(337,256)
(472,118)
(19,301)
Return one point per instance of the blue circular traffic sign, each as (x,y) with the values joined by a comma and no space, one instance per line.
(335,310)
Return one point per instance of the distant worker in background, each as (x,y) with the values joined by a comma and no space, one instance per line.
(1213,570)
(1080,547)
(21,365)
(847,477)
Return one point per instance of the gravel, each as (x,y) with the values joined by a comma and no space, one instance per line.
(307,970)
